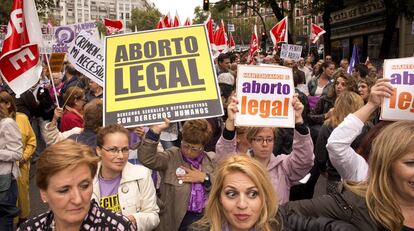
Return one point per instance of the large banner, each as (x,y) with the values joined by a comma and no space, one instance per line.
(160,74)
(86,54)
(59,39)
(265,96)
(400,106)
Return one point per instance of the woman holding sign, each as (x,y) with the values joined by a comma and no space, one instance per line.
(284,170)
(385,200)
(186,173)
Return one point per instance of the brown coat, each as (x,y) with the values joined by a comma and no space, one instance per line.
(174,195)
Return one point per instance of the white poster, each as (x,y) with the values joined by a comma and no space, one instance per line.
(86,54)
(400,106)
(293,52)
(265,96)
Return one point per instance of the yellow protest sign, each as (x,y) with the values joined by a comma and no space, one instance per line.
(161,73)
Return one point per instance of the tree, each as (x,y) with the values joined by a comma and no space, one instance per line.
(42,7)
(217,14)
(326,7)
(145,18)
(394,9)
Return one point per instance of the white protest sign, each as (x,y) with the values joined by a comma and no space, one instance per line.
(293,52)
(400,106)
(86,54)
(265,96)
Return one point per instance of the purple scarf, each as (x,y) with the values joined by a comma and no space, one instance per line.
(198,196)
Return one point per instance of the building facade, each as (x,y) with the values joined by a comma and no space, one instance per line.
(363,24)
(79,11)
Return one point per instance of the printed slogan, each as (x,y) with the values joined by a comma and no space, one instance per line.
(160,74)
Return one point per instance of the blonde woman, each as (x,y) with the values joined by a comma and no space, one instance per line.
(385,201)
(242,198)
(346,103)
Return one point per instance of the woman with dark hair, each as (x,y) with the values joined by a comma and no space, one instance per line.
(11,149)
(320,85)
(186,172)
(74,98)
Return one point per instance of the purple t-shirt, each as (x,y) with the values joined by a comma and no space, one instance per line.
(109,193)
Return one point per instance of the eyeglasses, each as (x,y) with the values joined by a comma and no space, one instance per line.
(261,140)
(115,150)
(187,146)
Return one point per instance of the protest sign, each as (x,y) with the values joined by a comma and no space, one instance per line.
(265,96)
(60,38)
(291,51)
(400,106)
(56,62)
(161,73)
(86,54)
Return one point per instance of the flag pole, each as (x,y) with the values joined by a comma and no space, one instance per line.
(53,84)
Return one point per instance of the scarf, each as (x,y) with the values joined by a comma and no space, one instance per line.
(198,196)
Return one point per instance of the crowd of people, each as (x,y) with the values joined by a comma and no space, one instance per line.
(208,174)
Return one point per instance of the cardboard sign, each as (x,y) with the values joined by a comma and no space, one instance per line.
(293,52)
(161,73)
(265,96)
(59,39)
(56,62)
(400,106)
(86,54)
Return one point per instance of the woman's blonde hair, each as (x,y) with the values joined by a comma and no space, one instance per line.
(63,155)
(347,102)
(394,141)
(214,214)
(5,97)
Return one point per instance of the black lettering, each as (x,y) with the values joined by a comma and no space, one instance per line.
(177,74)
(119,82)
(156,81)
(177,43)
(194,77)
(191,44)
(121,54)
(135,51)
(150,49)
(135,78)
(164,47)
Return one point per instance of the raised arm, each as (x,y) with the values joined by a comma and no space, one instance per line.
(349,164)
(300,161)
(147,148)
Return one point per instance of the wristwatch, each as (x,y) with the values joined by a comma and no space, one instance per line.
(207,182)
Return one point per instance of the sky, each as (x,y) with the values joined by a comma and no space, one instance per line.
(185,8)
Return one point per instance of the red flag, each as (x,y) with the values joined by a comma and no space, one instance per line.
(279,33)
(187,22)
(316,31)
(254,45)
(19,59)
(113,26)
(220,39)
(166,21)
(159,24)
(176,20)
(231,43)
(210,30)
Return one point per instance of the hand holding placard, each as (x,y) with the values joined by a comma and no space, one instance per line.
(298,107)
(381,89)
(158,128)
